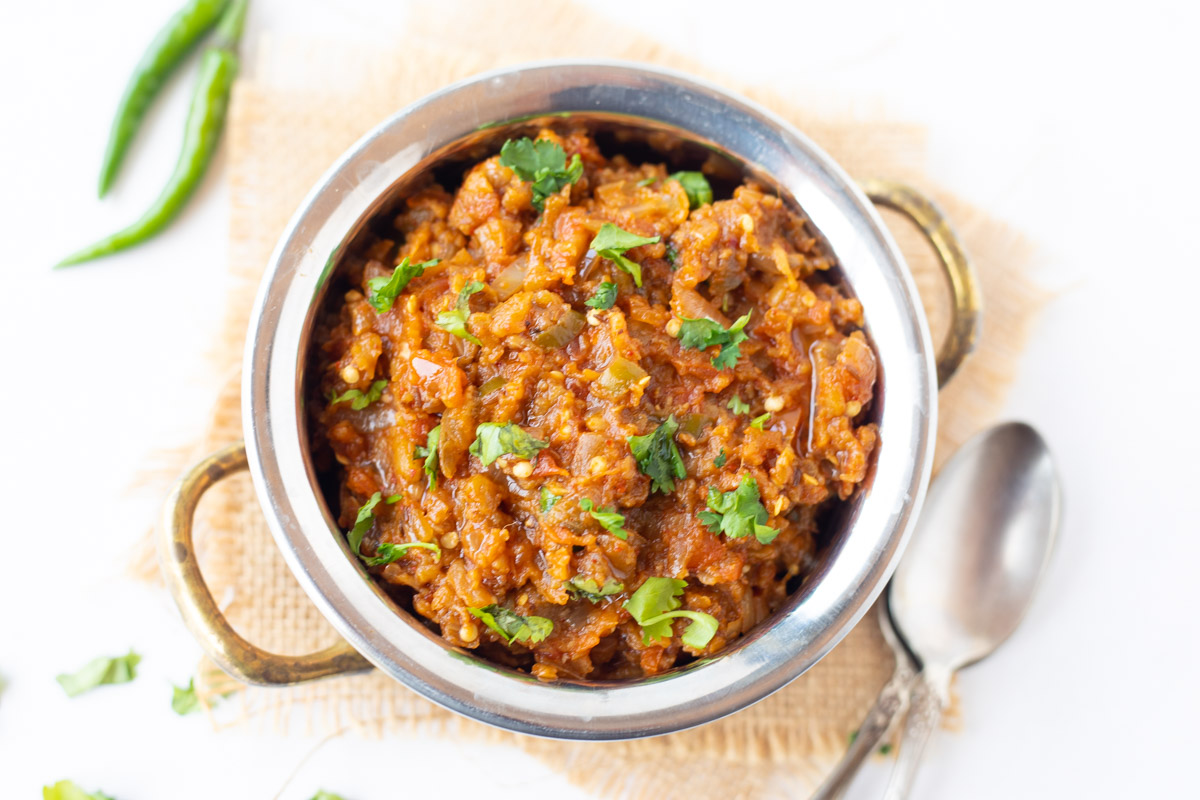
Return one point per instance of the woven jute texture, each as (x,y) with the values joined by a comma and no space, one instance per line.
(303,104)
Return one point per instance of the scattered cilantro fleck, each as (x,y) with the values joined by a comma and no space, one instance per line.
(364,521)
(101,671)
(184,699)
(605,296)
(658,456)
(588,589)
(511,626)
(738,513)
(387,552)
(696,186)
(542,164)
(549,499)
(700,334)
(612,242)
(885,748)
(608,518)
(493,440)
(359,400)
(672,256)
(382,292)
(738,406)
(656,603)
(721,460)
(455,321)
(67,790)
(647,181)
(324,795)
(429,452)
(760,420)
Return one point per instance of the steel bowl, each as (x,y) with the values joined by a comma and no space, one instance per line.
(461,121)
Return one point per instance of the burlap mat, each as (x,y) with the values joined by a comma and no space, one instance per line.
(302,105)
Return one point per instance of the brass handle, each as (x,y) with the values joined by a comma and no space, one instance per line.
(221,642)
(964,286)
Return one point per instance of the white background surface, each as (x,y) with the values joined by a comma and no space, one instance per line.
(1075,122)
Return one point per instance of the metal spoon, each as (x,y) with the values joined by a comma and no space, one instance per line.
(979,551)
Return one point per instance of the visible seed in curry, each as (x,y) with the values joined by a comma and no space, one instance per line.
(468,632)
(351,375)
(853,408)
(674,325)
(522,469)
(774,404)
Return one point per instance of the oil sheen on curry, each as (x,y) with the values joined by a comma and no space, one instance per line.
(586,418)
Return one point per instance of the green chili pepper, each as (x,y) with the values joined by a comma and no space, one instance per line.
(202,131)
(173,42)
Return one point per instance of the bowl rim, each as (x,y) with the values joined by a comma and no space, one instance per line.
(819,615)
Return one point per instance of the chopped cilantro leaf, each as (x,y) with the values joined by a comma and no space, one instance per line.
(101,671)
(549,499)
(364,521)
(493,440)
(647,181)
(700,334)
(429,452)
(588,589)
(382,292)
(658,456)
(738,406)
(324,795)
(605,296)
(511,626)
(696,186)
(612,242)
(67,790)
(387,552)
(542,164)
(359,400)
(455,321)
(672,256)
(184,699)
(656,603)
(608,518)
(738,513)
(721,460)
(760,420)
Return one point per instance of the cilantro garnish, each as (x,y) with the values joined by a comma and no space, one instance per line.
(429,452)
(656,603)
(511,626)
(605,296)
(696,186)
(760,420)
(549,499)
(542,164)
(101,671)
(721,460)
(608,518)
(672,256)
(647,181)
(588,589)
(658,456)
(612,242)
(738,406)
(382,292)
(387,552)
(738,513)
(184,699)
(359,400)
(68,790)
(493,440)
(455,321)
(364,521)
(700,334)
(324,795)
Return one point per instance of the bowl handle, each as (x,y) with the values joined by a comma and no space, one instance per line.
(964,286)
(220,641)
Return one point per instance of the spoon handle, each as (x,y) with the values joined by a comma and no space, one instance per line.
(929,696)
(891,703)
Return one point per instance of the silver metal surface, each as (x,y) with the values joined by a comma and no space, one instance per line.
(979,553)
(873,529)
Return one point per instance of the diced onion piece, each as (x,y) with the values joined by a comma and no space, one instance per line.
(618,378)
(425,368)
(491,385)
(511,279)
(559,335)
